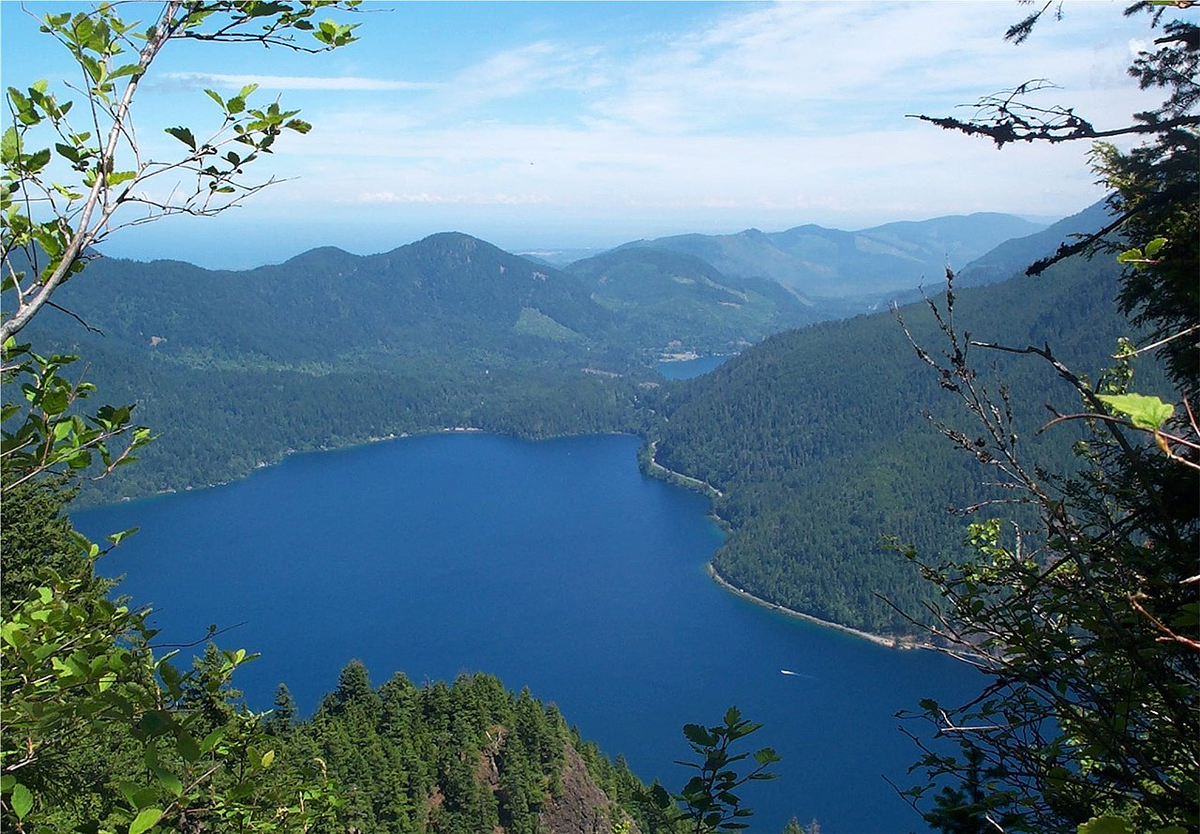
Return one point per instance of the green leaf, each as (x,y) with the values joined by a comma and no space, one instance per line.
(1104,825)
(39,160)
(1155,246)
(169,781)
(116,538)
(183,135)
(145,820)
(187,747)
(212,739)
(1144,412)
(56,401)
(698,735)
(22,800)
(9,145)
(67,151)
(127,69)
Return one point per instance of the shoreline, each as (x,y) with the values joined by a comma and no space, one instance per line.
(656,469)
(899,643)
(281,457)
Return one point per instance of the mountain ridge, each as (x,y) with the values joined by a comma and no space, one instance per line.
(331,348)
(820,261)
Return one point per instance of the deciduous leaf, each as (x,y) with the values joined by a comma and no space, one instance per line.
(169,781)
(1104,825)
(145,820)
(183,135)
(698,735)
(22,800)
(1144,412)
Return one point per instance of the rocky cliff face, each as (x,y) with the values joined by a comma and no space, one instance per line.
(581,807)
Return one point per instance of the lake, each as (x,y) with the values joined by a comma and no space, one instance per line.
(555,565)
(690,368)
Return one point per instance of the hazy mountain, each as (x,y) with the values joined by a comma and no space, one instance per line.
(449,294)
(830,263)
(1016,255)
(680,301)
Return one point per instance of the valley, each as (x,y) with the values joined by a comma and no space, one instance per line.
(330,349)
(604,418)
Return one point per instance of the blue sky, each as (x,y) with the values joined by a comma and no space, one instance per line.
(550,124)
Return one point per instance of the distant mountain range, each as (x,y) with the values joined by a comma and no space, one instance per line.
(331,348)
(833,264)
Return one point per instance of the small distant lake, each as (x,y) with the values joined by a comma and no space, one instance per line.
(688,368)
(554,565)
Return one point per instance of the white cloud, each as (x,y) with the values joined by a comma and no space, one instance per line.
(425,198)
(821,67)
(775,115)
(291,82)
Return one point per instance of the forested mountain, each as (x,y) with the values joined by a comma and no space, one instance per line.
(669,298)
(1013,256)
(235,368)
(830,263)
(467,756)
(329,308)
(817,441)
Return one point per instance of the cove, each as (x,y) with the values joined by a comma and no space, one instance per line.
(555,565)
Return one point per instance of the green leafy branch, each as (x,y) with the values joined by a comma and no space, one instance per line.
(75,659)
(63,185)
(51,437)
(1143,258)
(708,800)
(1148,414)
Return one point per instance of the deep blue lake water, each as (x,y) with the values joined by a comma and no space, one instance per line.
(555,565)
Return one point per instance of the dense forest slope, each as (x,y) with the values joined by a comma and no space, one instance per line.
(817,441)
(327,308)
(458,758)
(235,368)
(1015,255)
(669,298)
